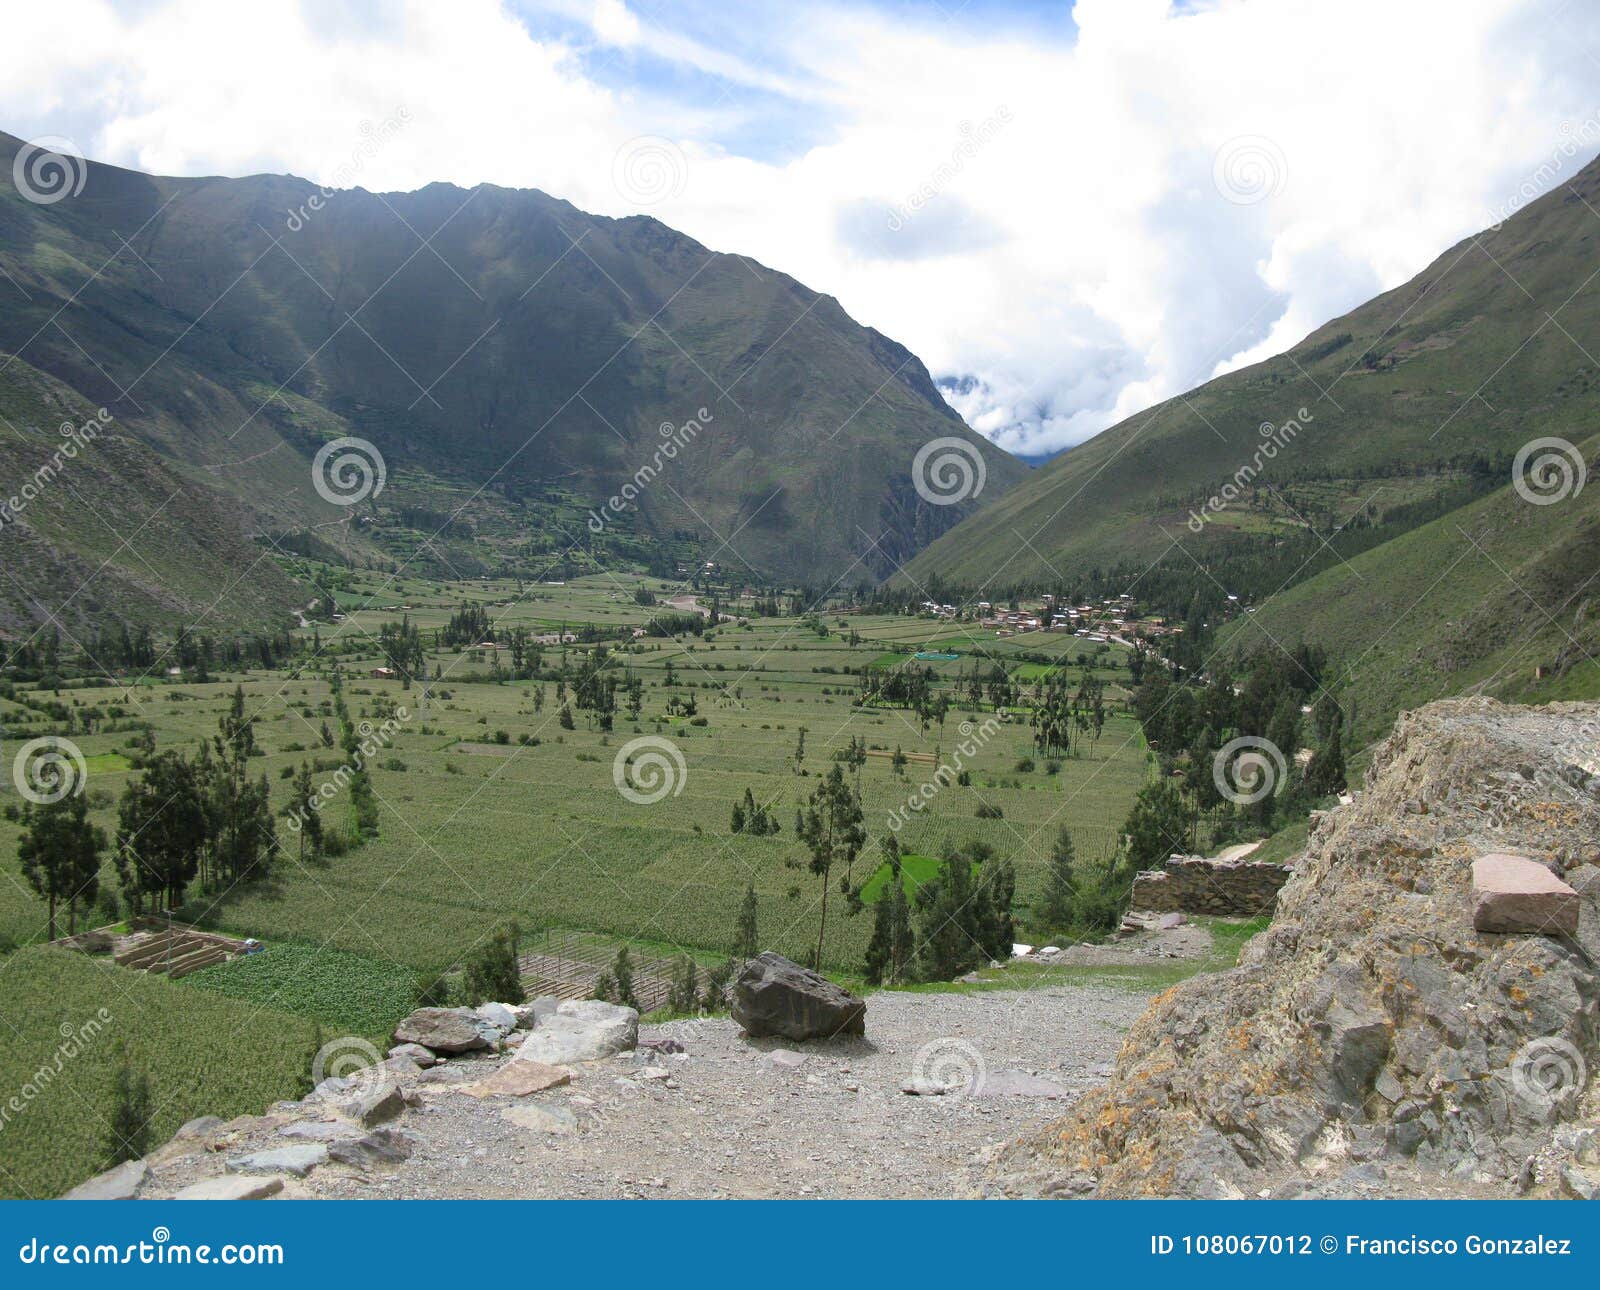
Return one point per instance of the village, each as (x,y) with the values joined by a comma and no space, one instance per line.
(1117,620)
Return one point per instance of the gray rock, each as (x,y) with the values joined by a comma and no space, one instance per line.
(774,996)
(917,1086)
(298,1160)
(122,1182)
(581,1030)
(380,1147)
(1010,1083)
(1578,1183)
(498,1015)
(198,1127)
(423,1057)
(786,1059)
(317,1130)
(373,1104)
(542,1119)
(231,1188)
(444,1030)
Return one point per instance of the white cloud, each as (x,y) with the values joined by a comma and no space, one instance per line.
(1046,216)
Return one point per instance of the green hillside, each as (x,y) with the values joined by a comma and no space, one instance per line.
(1500,597)
(1401,411)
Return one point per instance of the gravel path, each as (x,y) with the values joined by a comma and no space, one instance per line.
(731,1117)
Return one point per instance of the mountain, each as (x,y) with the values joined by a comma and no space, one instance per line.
(514,361)
(95,524)
(1386,419)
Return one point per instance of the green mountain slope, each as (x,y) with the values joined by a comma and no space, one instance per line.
(95,524)
(1500,597)
(512,358)
(1402,410)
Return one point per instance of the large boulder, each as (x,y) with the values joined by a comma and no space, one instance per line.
(581,1030)
(444,1030)
(774,996)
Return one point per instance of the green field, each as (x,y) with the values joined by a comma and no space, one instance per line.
(71,1021)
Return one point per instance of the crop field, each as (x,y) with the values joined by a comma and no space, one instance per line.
(491,811)
(71,1021)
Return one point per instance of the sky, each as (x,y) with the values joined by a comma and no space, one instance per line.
(1069,211)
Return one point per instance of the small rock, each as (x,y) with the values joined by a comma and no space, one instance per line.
(297,1160)
(498,1015)
(916,1086)
(231,1188)
(119,1183)
(374,1105)
(317,1130)
(518,1078)
(542,1119)
(1012,1083)
(786,1059)
(423,1057)
(199,1127)
(1513,894)
(380,1147)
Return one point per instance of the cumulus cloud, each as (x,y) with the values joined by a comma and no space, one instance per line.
(1068,224)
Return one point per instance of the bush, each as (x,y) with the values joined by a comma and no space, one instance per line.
(987,811)
(493,975)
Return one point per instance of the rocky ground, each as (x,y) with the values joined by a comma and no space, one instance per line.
(728,1116)
(1372,1041)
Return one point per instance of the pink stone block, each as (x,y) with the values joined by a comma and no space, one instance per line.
(1513,894)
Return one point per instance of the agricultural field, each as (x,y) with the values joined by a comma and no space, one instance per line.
(72,1021)
(490,811)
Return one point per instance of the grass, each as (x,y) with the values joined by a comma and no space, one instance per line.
(355,995)
(71,1021)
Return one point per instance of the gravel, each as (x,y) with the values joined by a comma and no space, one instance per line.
(724,1119)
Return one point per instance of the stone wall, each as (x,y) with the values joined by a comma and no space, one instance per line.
(1195,885)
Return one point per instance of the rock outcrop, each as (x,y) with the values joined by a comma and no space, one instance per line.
(1223,888)
(1372,1027)
(774,996)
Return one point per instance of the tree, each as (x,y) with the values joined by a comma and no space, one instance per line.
(494,975)
(747,940)
(1058,906)
(891,949)
(310,818)
(161,831)
(60,853)
(128,1137)
(945,947)
(685,993)
(1326,776)
(622,977)
(832,831)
